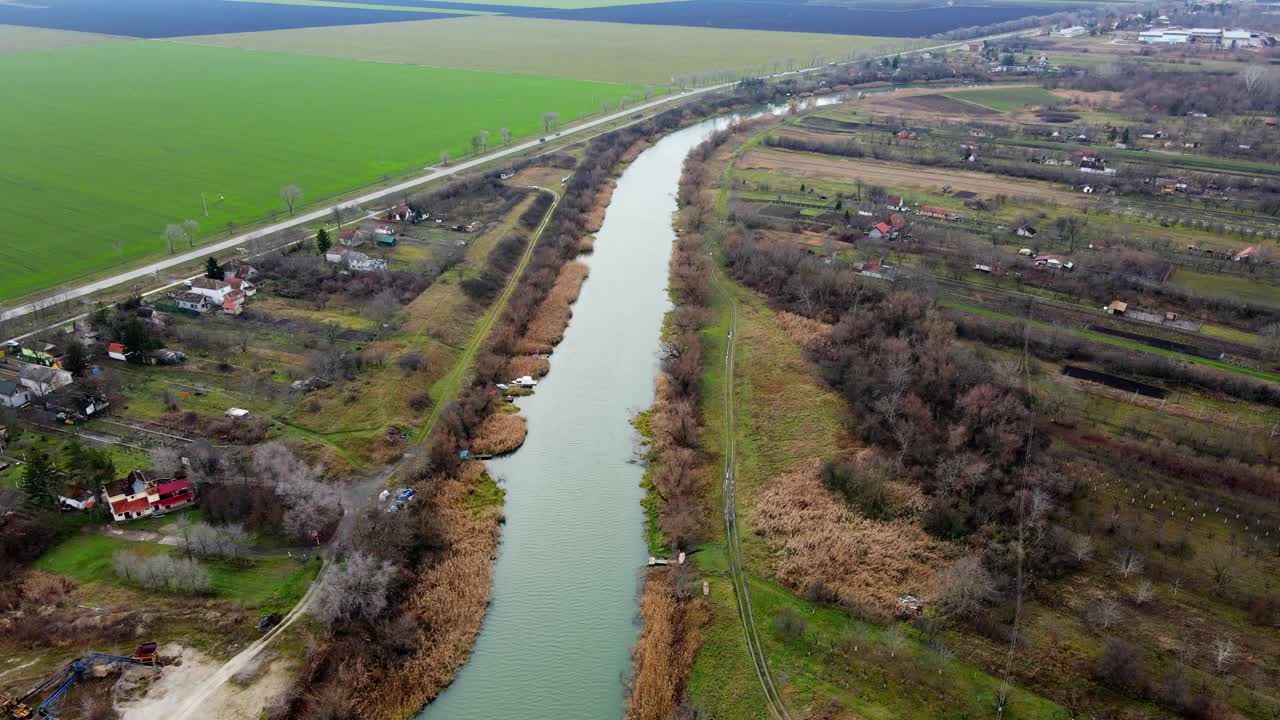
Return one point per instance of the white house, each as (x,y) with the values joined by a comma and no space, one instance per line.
(41,380)
(194,302)
(215,290)
(336,254)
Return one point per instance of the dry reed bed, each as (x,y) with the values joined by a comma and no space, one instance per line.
(599,204)
(665,652)
(448,601)
(546,328)
(811,334)
(521,365)
(817,538)
(500,433)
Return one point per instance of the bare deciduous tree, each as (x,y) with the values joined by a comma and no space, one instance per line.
(965,586)
(1224,651)
(1253,78)
(189,230)
(1082,548)
(506,135)
(550,120)
(1127,562)
(355,590)
(1222,571)
(172,234)
(291,194)
(1144,593)
(1104,613)
(894,640)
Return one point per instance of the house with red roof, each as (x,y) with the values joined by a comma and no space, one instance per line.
(138,495)
(1246,254)
(116,351)
(880,230)
(241,285)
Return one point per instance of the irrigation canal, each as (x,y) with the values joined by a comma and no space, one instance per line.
(556,641)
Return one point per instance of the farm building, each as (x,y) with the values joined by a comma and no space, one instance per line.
(41,380)
(387,240)
(1116,307)
(239,269)
(1246,254)
(233,303)
(13,395)
(242,285)
(937,212)
(1027,231)
(139,496)
(880,230)
(336,255)
(117,351)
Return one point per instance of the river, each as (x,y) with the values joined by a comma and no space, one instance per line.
(556,641)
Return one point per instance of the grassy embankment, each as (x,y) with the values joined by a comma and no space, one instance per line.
(188,99)
(786,417)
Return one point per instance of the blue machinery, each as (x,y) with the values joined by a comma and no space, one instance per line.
(61,681)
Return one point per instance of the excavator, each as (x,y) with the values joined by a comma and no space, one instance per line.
(55,687)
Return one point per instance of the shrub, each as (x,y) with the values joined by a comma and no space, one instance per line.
(788,624)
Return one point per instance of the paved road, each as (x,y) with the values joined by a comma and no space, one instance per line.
(325,212)
(432,174)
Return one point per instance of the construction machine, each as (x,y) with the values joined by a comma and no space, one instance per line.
(53,688)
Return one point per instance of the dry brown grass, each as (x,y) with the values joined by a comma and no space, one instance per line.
(500,433)
(448,601)
(546,328)
(869,564)
(666,649)
(634,151)
(809,333)
(522,365)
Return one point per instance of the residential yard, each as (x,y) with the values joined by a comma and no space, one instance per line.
(268,582)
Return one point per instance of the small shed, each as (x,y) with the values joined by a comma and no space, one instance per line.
(1116,307)
(116,351)
(387,240)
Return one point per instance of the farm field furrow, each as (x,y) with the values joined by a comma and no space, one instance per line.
(17,38)
(169,18)
(900,175)
(90,167)
(559,48)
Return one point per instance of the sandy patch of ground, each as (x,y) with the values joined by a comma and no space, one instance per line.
(140,695)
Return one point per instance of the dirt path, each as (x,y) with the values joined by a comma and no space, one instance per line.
(189,702)
(905,176)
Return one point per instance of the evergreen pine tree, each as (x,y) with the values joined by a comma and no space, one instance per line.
(38,481)
(75,361)
(212,269)
(322,241)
